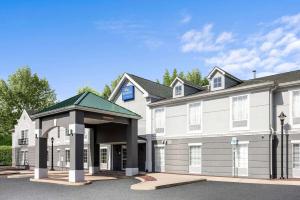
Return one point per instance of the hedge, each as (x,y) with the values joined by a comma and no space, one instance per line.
(5,155)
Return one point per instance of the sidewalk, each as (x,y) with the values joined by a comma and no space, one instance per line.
(295,182)
(155,181)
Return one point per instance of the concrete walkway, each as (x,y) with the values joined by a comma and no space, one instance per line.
(163,180)
(295,182)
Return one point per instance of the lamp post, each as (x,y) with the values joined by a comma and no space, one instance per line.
(52,140)
(282,116)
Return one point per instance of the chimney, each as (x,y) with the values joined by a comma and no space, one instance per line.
(254,73)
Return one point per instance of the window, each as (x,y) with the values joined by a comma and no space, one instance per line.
(296,107)
(240,160)
(159,121)
(85,155)
(194,117)
(67,155)
(178,90)
(296,156)
(217,82)
(195,158)
(103,155)
(240,112)
(124,157)
(24,134)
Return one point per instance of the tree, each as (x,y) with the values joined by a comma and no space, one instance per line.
(22,90)
(108,89)
(174,75)
(106,92)
(196,78)
(87,89)
(167,78)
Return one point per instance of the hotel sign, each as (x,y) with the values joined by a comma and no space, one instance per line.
(128,93)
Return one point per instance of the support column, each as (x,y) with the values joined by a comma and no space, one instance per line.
(94,153)
(132,148)
(41,170)
(76,128)
(149,153)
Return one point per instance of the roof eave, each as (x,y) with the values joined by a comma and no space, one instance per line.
(215,93)
(83,108)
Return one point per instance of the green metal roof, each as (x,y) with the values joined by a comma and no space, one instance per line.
(90,100)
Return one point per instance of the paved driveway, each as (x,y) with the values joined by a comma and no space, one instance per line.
(119,190)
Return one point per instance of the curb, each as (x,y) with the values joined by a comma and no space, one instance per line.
(60,182)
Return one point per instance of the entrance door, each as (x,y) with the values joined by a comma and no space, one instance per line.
(240,160)
(24,157)
(85,159)
(160,159)
(124,157)
(58,158)
(296,160)
(195,158)
(103,158)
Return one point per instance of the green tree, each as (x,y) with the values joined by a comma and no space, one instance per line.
(167,78)
(107,90)
(22,90)
(174,75)
(196,78)
(87,89)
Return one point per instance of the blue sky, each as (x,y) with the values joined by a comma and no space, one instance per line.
(78,43)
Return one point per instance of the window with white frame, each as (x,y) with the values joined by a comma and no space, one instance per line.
(24,134)
(194,117)
(296,107)
(296,156)
(159,121)
(240,154)
(194,158)
(240,111)
(103,155)
(217,82)
(67,155)
(178,90)
(85,155)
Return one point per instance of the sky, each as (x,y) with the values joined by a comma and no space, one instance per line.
(89,43)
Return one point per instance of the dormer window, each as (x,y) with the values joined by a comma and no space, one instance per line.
(217,81)
(178,90)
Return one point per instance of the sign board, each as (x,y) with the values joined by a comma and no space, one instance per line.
(234,141)
(128,93)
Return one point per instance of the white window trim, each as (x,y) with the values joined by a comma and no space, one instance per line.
(222,83)
(188,118)
(193,145)
(294,126)
(154,124)
(294,142)
(230,114)
(182,90)
(242,143)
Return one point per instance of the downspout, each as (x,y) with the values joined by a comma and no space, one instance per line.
(271,128)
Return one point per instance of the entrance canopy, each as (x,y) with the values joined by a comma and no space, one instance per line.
(74,114)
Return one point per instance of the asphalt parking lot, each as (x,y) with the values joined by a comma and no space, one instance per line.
(120,189)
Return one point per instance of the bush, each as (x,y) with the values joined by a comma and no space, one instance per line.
(5,155)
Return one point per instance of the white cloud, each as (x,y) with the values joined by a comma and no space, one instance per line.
(204,40)
(224,37)
(186,18)
(272,49)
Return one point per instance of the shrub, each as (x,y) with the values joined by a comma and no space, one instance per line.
(5,155)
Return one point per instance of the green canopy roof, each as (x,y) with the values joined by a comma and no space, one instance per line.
(90,100)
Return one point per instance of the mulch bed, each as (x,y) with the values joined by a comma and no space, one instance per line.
(148,178)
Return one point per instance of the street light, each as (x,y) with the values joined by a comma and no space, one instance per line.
(282,116)
(52,140)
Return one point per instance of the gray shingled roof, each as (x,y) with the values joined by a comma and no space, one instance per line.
(278,78)
(153,88)
(192,84)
